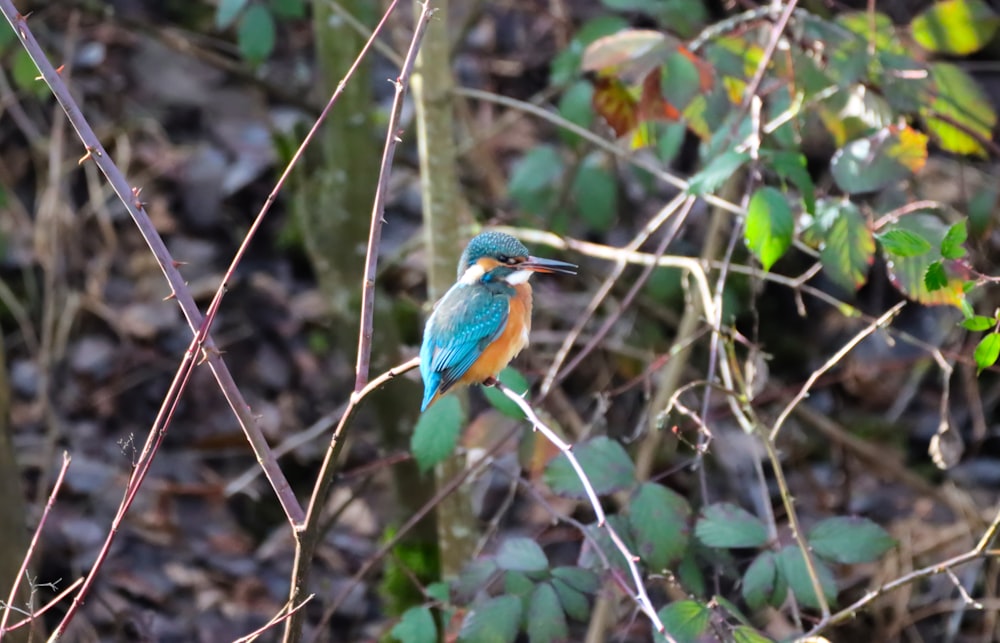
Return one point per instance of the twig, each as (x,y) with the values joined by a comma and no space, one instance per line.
(55,601)
(34,542)
(830,363)
(677,208)
(392,137)
(979,551)
(129,197)
(641,597)
(278,618)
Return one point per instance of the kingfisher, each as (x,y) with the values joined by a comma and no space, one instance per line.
(483,321)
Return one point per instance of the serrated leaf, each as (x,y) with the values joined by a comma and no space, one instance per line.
(227,11)
(495,620)
(769,226)
(573,601)
(959,100)
(792,565)
(935,278)
(726,525)
(521,554)
(578,578)
(512,379)
(546,619)
(909,274)
(760,580)
(849,540)
(717,172)
(686,621)
(848,248)
(595,193)
(978,323)
(903,243)
(416,626)
(875,162)
(256,34)
(658,518)
(951,246)
(987,352)
(607,465)
(436,434)
(956,27)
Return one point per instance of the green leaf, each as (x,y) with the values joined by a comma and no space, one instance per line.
(512,379)
(878,161)
(747,634)
(903,243)
(575,105)
(961,100)
(849,540)
(956,27)
(534,178)
(658,518)
(987,352)
(792,564)
(439,591)
(227,11)
(573,601)
(494,620)
(473,578)
(255,36)
(582,580)
(791,166)
(25,75)
(769,226)
(523,555)
(760,581)
(951,246)
(590,559)
(686,621)
(289,9)
(935,278)
(416,626)
(978,323)
(910,274)
(436,434)
(607,465)
(518,584)
(595,193)
(726,525)
(546,619)
(566,65)
(717,172)
(848,248)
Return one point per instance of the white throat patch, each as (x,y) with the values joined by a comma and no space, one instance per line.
(519,277)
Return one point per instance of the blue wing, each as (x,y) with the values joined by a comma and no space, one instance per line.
(464,323)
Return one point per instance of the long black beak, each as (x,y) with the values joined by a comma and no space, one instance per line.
(548,265)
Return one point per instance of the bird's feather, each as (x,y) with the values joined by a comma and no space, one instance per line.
(464,323)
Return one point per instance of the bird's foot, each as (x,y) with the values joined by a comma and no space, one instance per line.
(490,381)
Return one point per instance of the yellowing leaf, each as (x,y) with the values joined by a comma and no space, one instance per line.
(958,27)
(961,115)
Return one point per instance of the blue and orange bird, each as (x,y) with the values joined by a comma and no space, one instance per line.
(483,321)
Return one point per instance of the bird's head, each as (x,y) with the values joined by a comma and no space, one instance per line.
(493,257)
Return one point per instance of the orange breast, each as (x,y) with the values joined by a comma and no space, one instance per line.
(514,338)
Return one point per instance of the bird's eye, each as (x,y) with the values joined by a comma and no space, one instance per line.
(503,259)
